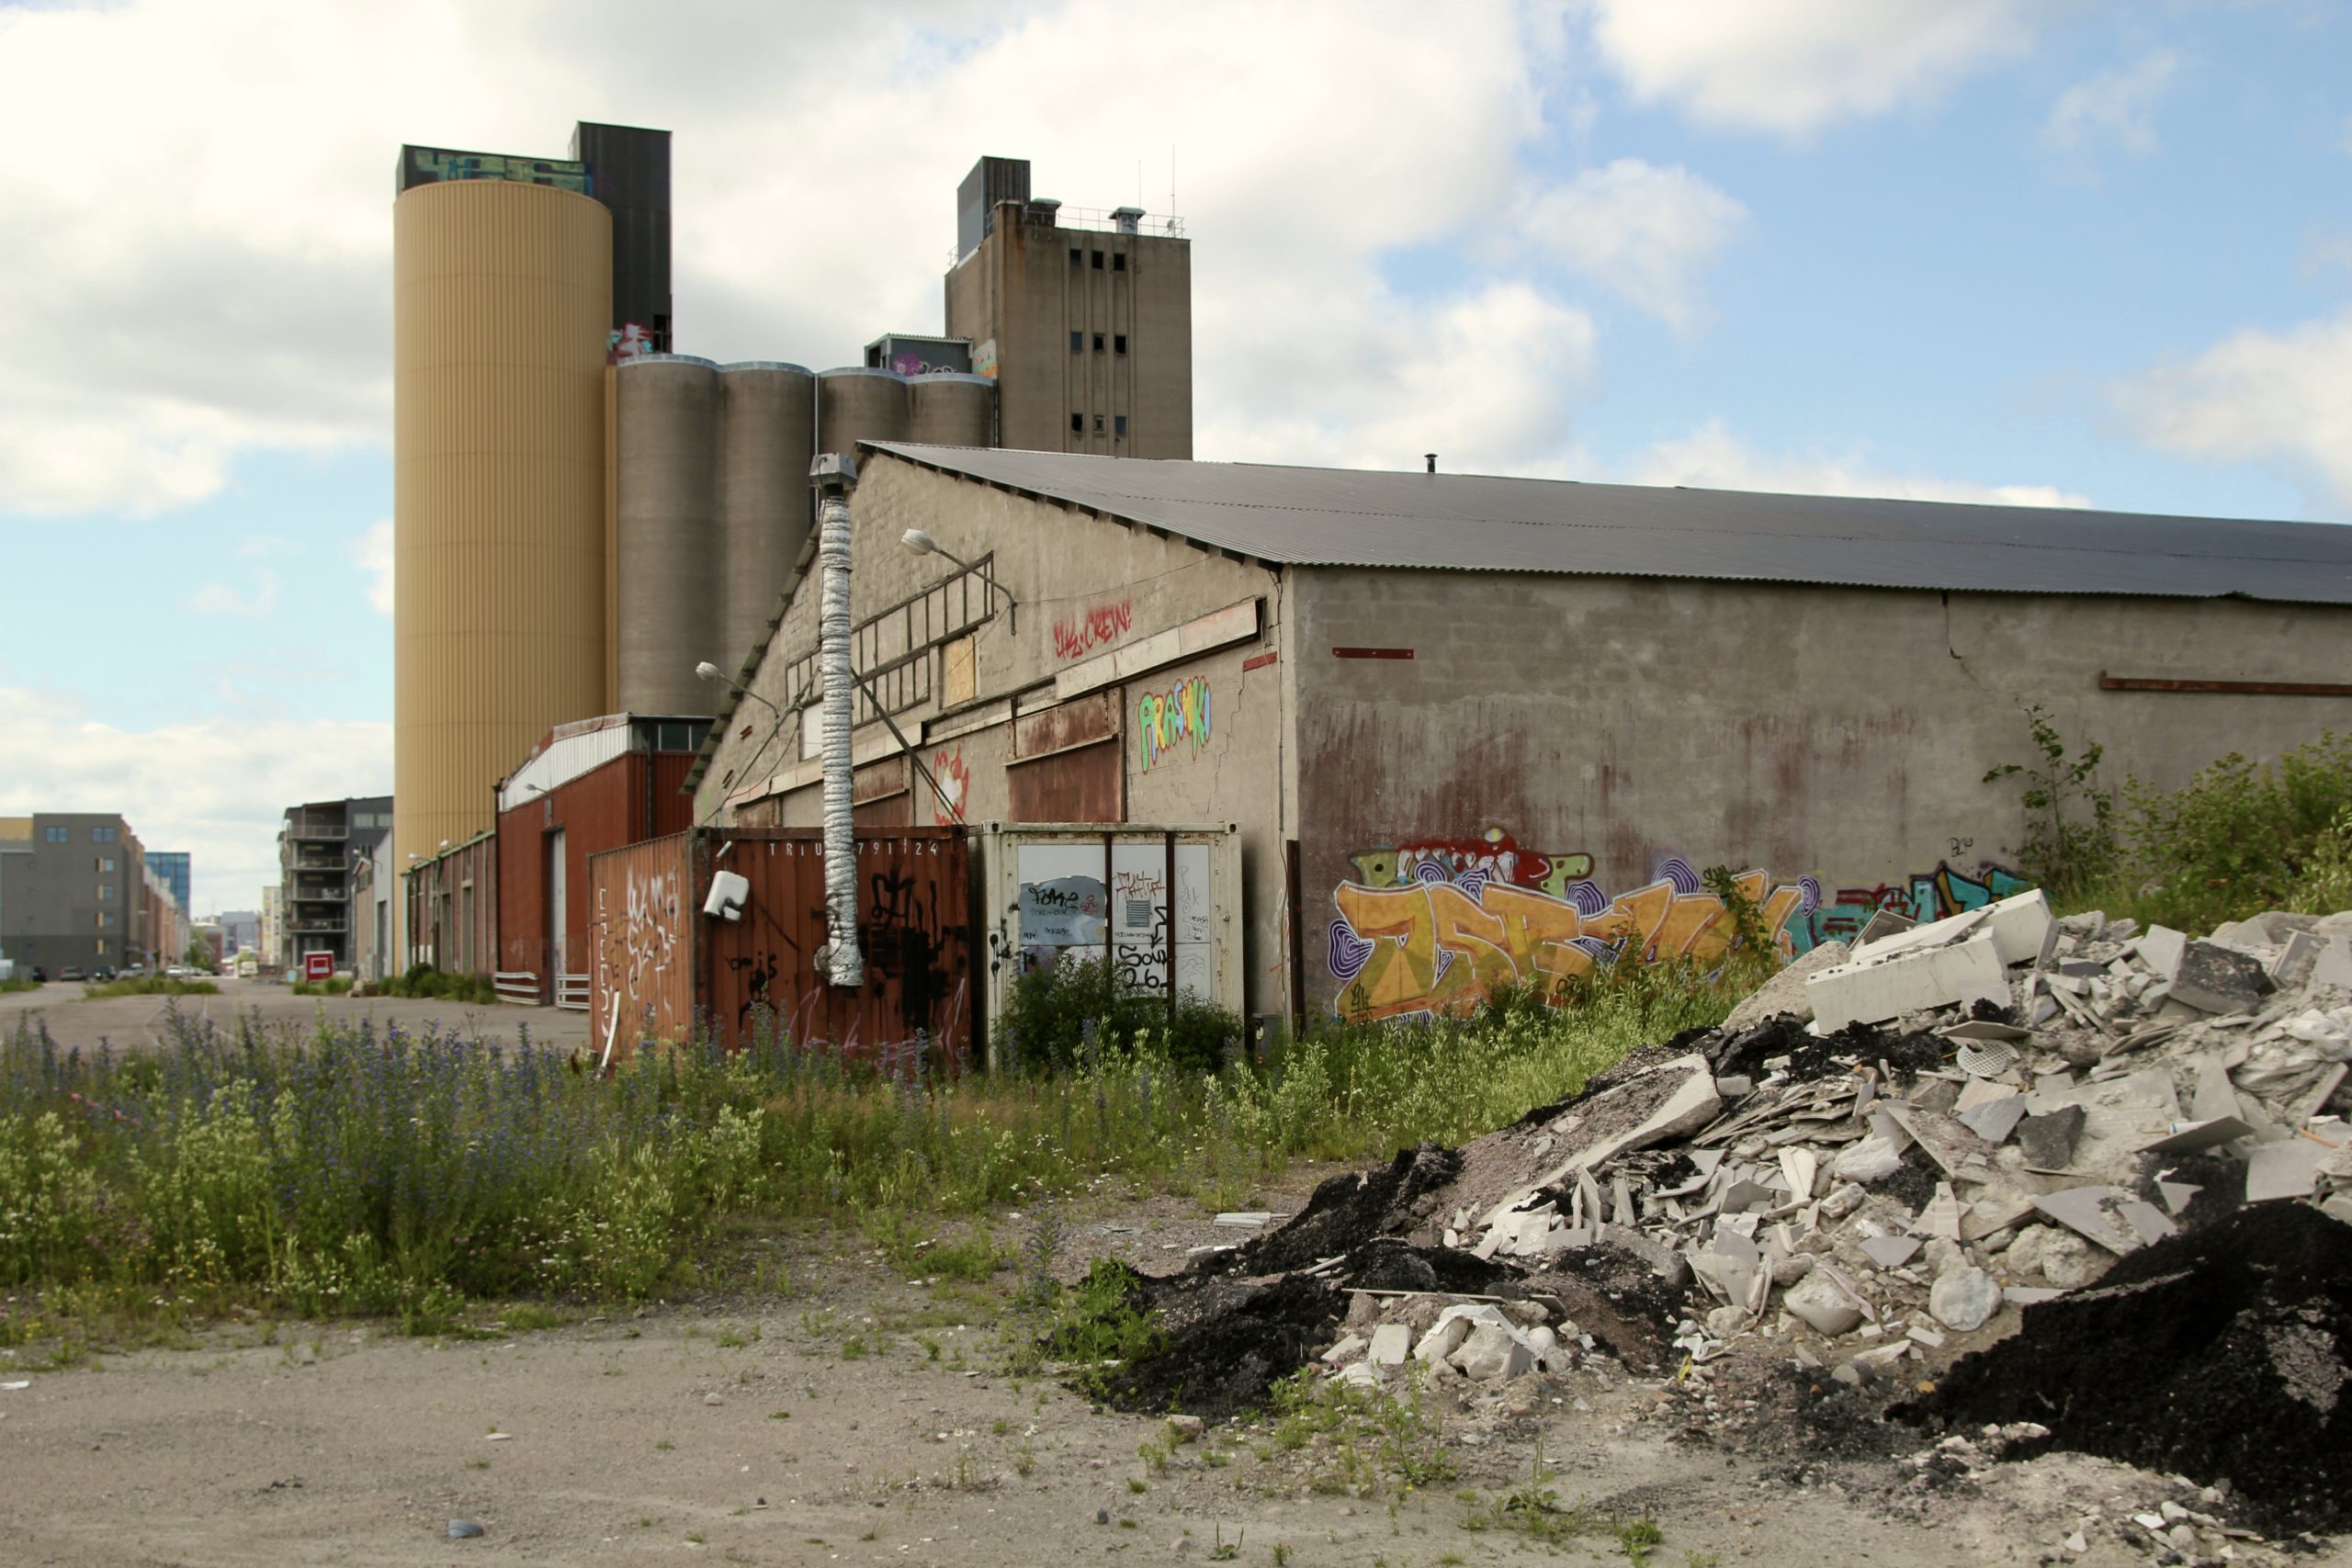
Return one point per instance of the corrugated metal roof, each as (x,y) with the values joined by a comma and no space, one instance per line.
(1474,523)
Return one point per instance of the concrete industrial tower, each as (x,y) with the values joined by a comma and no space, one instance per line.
(514,279)
(1085,319)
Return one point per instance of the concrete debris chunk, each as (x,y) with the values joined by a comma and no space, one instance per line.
(1995,1120)
(2333,967)
(2284,1169)
(2214,979)
(1784,992)
(1492,1353)
(2090,1212)
(1873,989)
(1824,1307)
(2048,1140)
(1963,1300)
(1391,1342)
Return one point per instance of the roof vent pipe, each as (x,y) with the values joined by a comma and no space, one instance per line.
(833,474)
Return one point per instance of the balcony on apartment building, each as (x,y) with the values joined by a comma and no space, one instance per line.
(316,890)
(327,829)
(319,925)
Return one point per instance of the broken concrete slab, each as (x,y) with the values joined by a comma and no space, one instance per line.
(2187,1137)
(2160,948)
(1823,1305)
(1391,1342)
(1871,990)
(2293,969)
(2333,964)
(1784,992)
(1995,1120)
(2215,979)
(2284,1169)
(1891,1251)
(1493,1353)
(2089,1212)
(1672,1099)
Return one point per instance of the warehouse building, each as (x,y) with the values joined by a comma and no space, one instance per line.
(1479,731)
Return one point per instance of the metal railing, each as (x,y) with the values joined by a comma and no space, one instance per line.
(572,992)
(322,831)
(320,927)
(516,986)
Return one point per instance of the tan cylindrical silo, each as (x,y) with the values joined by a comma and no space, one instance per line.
(858,404)
(665,434)
(953,410)
(767,435)
(503,296)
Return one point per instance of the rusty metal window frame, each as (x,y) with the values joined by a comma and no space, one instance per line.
(893,648)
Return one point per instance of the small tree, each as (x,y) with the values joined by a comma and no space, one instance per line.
(2061,849)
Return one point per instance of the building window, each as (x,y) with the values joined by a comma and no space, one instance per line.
(106,919)
(105,947)
(1098,342)
(1078,424)
(1119,343)
(106,865)
(1076,342)
(1074,258)
(105,892)
(54,835)
(1097,261)
(1098,424)
(1119,425)
(1119,262)
(102,835)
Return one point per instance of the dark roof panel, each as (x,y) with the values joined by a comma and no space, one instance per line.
(1474,523)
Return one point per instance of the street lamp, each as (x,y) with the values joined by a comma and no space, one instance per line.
(707,670)
(922,544)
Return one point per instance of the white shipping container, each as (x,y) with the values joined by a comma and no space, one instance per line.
(1052,890)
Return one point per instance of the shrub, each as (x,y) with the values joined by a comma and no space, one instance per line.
(1055,1012)
(150,985)
(333,985)
(425,982)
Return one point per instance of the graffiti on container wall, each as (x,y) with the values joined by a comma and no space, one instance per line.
(953,779)
(1175,717)
(1097,626)
(641,940)
(1436,926)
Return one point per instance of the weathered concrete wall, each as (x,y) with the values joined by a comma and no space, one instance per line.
(1200,736)
(1558,759)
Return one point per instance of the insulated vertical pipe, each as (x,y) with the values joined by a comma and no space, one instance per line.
(833,473)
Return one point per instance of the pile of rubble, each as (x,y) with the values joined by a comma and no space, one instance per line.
(1878,1162)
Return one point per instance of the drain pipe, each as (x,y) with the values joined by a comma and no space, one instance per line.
(833,474)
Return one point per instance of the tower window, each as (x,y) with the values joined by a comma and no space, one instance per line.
(1098,342)
(1073,255)
(1078,424)
(1119,343)
(1119,425)
(1119,261)
(1098,424)
(1097,261)
(1077,342)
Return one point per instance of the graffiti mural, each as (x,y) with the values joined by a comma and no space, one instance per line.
(1097,626)
(1437,925)
(1176,717)
(952,776)
(1928,895)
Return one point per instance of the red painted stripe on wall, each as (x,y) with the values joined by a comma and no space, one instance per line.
(1371,653)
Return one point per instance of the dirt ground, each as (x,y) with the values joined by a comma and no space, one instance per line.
(133,1022)
(810,1422)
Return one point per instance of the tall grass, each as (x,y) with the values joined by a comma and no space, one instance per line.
(385,1171)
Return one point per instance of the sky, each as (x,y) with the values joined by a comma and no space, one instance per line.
(2059,252)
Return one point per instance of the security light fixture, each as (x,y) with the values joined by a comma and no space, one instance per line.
(707,670)
(922,544)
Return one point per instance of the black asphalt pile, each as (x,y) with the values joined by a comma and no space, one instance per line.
(2225,1356)
(1881,1161)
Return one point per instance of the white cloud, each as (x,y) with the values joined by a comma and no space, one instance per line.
(1794,66)
(1642,231)
(2282,398)
(2113,109)
(1712,457)
(373,552)
(219,598)
(217,282)
(214,787)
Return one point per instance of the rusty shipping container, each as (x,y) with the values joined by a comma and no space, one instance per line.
(665,969)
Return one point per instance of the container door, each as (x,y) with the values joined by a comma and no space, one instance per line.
(557,936)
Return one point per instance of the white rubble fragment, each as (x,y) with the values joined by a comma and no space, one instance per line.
(1391,1342)
(1964,1299)
(1825,1308)
(1492,1353)
(1871,990)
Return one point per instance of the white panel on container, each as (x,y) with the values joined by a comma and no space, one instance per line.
(1063,905)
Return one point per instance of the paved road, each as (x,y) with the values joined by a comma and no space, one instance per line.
(138,1021)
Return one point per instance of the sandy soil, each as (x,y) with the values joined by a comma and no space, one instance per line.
(738,1426)
(135,1021)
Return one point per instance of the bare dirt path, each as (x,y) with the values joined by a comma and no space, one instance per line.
(817,1425)
(138,1023)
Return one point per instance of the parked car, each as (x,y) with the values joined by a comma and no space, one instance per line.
(40,976)
(71,972)
(175,971)
(103,972)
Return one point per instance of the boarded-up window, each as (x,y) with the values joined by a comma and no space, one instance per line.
(1087,784)
(958,682)
(879,797)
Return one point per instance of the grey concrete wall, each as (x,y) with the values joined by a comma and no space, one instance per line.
(1087,589)
(51,905)
(1600,731)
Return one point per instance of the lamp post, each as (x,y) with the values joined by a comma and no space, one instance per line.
(922,544)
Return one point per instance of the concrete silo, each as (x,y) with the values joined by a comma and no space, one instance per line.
(767,435)
(953,410)
(858,404)
(665,557)
(503,296)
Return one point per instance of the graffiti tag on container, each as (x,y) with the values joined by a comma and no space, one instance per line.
(953,778)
